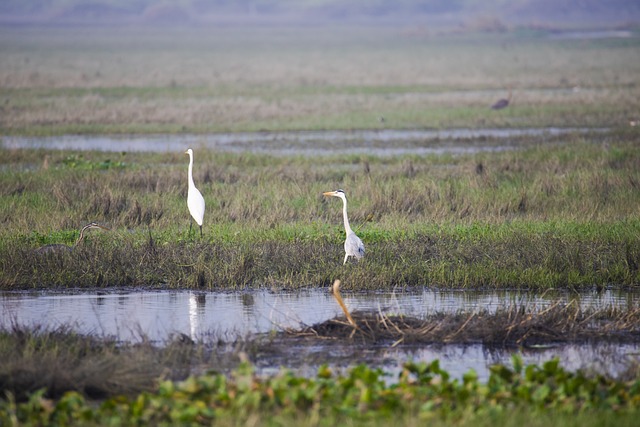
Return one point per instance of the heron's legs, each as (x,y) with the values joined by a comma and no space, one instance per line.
(345,259)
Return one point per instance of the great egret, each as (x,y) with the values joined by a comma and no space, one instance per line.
(353,246)
(56,247)
(502,103)
(195,201)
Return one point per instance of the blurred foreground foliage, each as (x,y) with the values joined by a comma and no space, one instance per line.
(421,393)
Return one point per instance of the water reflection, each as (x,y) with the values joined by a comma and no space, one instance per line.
(456,359)
(131,316)
(196,313)
(158,315)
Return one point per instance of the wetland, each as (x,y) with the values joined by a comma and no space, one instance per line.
(475,222)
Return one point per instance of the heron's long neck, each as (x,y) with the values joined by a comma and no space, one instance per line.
(80,237)
(347,228)
(191,184)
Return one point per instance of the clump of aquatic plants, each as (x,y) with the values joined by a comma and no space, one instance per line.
(508,326)
(423,392)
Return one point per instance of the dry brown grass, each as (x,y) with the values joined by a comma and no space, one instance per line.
(511,326)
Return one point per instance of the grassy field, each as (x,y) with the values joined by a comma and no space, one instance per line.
(561,212)
(553,215)
(142,80)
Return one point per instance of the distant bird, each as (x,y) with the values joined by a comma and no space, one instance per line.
(58,247)
(195,201)
(353,246)
(502,103)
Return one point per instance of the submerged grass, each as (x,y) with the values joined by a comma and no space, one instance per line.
(548,216)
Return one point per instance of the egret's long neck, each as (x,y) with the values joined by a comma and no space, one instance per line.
(191,184)
(347,228)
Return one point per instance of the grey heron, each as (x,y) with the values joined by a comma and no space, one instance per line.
(353,246)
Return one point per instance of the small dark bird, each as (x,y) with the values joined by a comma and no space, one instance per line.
(502,103)
(57,247)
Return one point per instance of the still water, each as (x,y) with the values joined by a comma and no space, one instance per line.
(385,142)
(158,315)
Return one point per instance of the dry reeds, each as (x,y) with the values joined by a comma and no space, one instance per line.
(512,326)
(60,360)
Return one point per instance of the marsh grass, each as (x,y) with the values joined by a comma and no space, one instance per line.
(509,326)
(55,360)
(553,215)
(60,360)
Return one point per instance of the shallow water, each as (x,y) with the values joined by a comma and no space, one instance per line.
(377,142)
(157,315)
(128,315)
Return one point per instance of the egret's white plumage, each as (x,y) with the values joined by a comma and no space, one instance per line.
(195,201)
(353,246)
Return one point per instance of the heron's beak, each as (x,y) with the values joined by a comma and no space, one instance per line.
(104,228)
(329,193)
(186,152)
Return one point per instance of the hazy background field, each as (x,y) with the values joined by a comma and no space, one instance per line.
(135,80)
(192,66)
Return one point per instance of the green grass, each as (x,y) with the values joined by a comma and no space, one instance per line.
(549,216)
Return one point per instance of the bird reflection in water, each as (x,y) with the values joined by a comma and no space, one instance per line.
(197,302)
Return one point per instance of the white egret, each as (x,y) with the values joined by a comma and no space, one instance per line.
(56,247)
(353,246)
(195,201)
